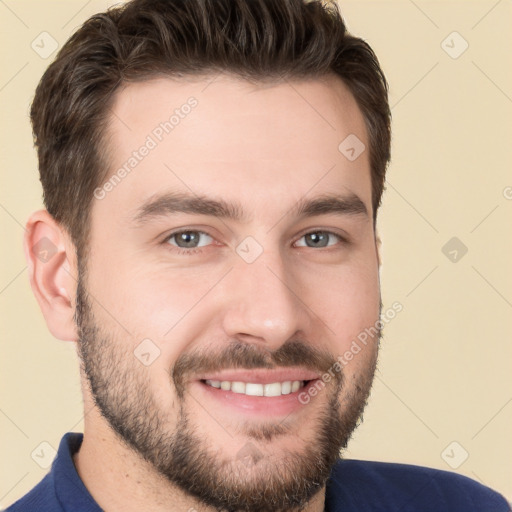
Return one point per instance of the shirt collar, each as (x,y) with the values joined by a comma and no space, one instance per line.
(69,488)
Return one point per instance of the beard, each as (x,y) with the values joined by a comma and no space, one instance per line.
(251,481)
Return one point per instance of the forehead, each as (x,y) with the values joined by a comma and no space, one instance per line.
(226,137)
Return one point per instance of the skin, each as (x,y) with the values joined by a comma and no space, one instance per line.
(265,147)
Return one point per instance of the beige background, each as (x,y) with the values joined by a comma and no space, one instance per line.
(445,370)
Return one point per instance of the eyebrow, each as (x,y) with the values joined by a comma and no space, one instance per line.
(178,202)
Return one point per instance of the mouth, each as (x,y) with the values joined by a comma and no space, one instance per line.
(257,392)
(258,389)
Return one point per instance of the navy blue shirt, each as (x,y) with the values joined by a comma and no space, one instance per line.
(353,486)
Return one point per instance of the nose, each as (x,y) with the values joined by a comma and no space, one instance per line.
(262,303)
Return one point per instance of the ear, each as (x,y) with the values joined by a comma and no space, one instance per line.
(52,270)
(378,245)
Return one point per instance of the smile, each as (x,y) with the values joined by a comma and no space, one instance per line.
(256,389)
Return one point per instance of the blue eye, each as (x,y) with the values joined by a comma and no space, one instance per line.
(320,239)
(188,239)
(189,242)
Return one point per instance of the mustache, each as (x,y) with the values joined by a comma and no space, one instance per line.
(238,355)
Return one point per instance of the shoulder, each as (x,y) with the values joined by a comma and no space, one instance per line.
(61,489)
(380,486)
(41,498)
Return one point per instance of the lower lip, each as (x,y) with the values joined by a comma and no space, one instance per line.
(282,405)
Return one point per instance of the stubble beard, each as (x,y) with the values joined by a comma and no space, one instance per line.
(253,482)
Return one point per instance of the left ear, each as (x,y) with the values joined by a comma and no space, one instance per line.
(52,270)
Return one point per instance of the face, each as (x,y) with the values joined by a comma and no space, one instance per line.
(232,263)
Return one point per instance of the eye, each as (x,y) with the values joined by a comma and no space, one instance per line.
(320,239)
(189,242)
(190,239)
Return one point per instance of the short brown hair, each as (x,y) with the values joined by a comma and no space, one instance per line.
(256,40)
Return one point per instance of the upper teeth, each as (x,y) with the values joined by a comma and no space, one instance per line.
(253,389)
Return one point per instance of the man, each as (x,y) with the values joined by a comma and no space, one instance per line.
(212,172)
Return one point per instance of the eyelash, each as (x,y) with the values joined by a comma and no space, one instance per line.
(196,250)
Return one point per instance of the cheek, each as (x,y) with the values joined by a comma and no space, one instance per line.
(164,310)
(350,309)
(145,298)
(347,300)
(156,304)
